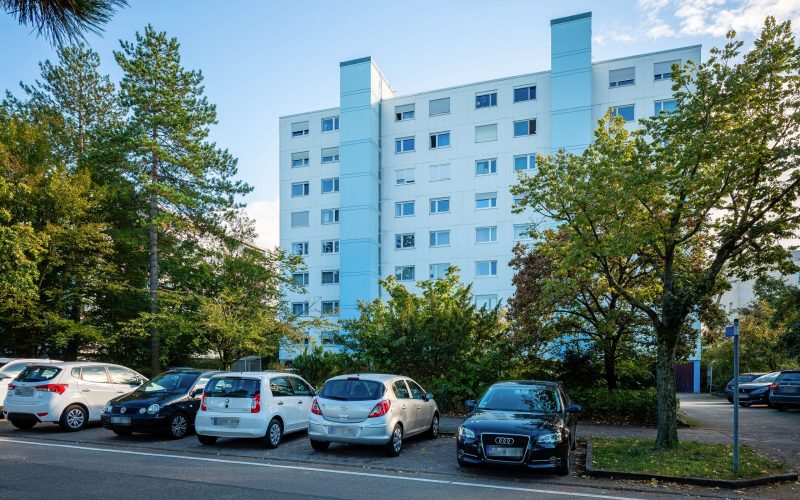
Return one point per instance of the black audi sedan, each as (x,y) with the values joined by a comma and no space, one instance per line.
(167,403)
(522,423)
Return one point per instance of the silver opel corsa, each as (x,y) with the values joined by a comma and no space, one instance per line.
(371,409)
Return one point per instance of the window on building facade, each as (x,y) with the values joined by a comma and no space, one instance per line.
(626,112)
(299,129)
(300,308)
(330,277)
(404,273)
(402,241)
(525,162)
(300,159)
(330,246)
(439,106)
(330,307)
(485,268)
(663,70)
(485,200)
(440,205)
(438,270)
(486,99)
(527,93)
(524,127)
(329,155)
(404,176)
(326,337)
(300,189)
(404,145)
(518,201)
(404,112)
(330,216)
(486,301)
(486,167)
(486,234)
(486,133)
(440,238)
(666,106)
(440,140)
(522,232)
(300,248)
(300,219)
(330,185)
(621,77)
(300,279)
(330,123)
(440,172)
(404,209)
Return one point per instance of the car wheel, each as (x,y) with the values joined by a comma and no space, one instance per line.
(207,440)
(563,467)
(22,424)
(433,430)
(74,418)
(779,407)
(460,458)
(395,444)
(730,400)
(178,426)
(274,433)
(123,432)
(320,445)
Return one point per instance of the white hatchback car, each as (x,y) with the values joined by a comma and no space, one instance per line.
(70,394)
(10,368)
(263,405)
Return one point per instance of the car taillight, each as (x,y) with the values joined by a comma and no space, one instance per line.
(315,407)
(11,387)
(255,403)
(58,388)
(203,402)
(380,409)
(773,386)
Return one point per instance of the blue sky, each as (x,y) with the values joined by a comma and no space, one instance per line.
(265,59)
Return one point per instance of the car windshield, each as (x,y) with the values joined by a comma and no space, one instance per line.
(38,373)
(352,390)
(527,399)
(169,382)
(769,377)
(232,387)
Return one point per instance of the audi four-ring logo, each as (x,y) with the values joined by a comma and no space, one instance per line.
(502,440)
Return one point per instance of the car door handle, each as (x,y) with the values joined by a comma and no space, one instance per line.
(86,390)
(280,403)
(403,407)
(299,402)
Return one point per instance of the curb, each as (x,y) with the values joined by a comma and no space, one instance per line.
(733,484)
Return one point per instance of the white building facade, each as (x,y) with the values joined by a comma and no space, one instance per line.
(409,185)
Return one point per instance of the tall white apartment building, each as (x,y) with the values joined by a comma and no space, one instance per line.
(411,184)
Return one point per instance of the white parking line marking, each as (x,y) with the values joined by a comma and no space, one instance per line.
(318,469)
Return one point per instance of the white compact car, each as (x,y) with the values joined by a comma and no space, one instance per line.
(262,405)
(371,409)
(10,368)
(70,394)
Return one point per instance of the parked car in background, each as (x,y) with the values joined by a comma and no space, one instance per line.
(526,423)
(262,405)
(371,409)
(167,403)
(10,368)
(743,379)
(71,394)
(785,390)
(756,391)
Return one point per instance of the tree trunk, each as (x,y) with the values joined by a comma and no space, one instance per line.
(667,436)
(610,362)
(155,343)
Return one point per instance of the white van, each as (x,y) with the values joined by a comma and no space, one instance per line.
(261,405)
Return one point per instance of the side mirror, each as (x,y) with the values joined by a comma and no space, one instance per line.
(574,408)
(428,397)
(470,403)
(197,392)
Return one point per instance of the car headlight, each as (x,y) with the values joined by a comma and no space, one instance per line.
(466,433)
(153,409)
(549,438)
(142,410)
(107,409)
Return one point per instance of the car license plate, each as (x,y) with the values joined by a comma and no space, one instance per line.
(121,420)
(342,431)
(744,396)
(501,451)
(224,422)
(24,391)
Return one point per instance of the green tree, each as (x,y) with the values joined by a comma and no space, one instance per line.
(698,195)
(62,20)
(188,181)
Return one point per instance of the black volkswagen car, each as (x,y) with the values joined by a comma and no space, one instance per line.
(523,423)
(167,403)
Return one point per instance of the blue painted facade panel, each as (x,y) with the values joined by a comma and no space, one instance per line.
(571,83)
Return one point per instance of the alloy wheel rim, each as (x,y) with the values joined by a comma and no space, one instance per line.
(179,426)
(274,434)
(75,418)
(397,439)
(435,426)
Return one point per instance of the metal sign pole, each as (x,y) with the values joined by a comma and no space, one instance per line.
(736,395)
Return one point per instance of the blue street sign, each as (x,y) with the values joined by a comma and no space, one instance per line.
(730,331)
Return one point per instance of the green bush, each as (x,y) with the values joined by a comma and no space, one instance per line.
(623,406)
(317,365)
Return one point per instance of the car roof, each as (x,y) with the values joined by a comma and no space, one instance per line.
(793,370)
(28,360)
(266,373)
(547,383)
(377,377)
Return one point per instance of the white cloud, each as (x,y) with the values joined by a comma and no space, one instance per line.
(266,214)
